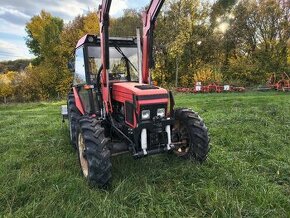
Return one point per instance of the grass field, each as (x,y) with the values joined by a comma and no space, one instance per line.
(247,173)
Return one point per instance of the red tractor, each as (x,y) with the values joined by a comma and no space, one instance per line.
(113,108)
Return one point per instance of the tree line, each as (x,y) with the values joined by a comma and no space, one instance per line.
(17,65)
(238,42)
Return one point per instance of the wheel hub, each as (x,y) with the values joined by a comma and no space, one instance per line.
(183,139)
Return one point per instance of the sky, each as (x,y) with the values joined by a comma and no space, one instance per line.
(14,14)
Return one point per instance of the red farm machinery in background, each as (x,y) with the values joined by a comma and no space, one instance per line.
(113,108)
(212,87)
(281,85)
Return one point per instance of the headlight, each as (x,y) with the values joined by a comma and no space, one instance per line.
(145,114)
(161,112)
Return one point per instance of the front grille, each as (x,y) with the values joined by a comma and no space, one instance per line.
(158,139)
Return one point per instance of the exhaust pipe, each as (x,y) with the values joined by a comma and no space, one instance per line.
(139,54)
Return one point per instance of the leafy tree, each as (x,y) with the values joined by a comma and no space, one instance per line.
(74,30)
(17,65)
(91,23)
(206,75)
(127,24)
(53,44)
(258,38)
(229,40)
(6,87)
(43,35)
(185,39)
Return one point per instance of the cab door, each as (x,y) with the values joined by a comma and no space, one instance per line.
(80,80)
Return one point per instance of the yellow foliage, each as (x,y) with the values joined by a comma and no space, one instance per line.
(91,23)
(39,21)
(6,84)
(207,75)
(184,81)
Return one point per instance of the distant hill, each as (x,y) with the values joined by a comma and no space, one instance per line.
(17,65)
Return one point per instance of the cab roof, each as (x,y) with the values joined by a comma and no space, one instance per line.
(120,41)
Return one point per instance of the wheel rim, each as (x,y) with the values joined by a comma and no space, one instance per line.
(83,160)
(184,138)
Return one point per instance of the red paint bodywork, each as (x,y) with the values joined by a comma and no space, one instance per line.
(149,20)
(123,92)
(79,104)
(104,24)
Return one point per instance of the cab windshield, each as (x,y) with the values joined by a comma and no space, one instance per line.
(123,63)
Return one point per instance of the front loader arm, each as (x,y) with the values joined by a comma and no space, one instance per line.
(104,18)
(149,21)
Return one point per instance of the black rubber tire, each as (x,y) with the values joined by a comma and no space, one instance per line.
(96,152)
(190,125)
(73,119)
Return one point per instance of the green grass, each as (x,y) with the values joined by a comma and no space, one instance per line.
(247,173)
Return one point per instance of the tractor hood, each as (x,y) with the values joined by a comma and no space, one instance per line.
(143,93)
(137,97)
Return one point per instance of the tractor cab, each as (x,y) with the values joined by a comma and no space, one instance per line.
(88,69)
(122,55)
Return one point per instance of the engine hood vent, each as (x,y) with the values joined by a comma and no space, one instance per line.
(146,87)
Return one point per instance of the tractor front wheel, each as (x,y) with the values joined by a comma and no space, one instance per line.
(94,156)
(190,135)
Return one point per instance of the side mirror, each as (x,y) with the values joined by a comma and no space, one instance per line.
(71,66)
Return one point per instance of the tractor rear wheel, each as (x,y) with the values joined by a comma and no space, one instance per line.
(94,156)
(191,133)
(73,118)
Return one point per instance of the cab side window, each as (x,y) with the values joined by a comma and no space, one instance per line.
(80,77)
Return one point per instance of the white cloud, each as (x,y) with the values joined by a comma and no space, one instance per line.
(20,11)
(117,8)
(13,50)
(14,14)
(10,28)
